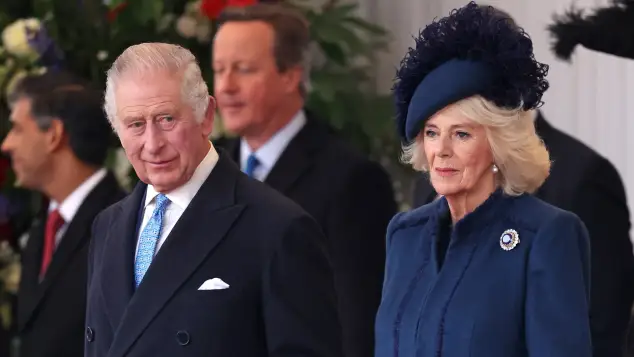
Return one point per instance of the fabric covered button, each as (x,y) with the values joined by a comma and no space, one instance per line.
(182,337)
(90,334)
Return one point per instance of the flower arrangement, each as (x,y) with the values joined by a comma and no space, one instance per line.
(85,36)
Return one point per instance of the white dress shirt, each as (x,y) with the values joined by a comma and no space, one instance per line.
(179,198)
(69,207)
(270,152)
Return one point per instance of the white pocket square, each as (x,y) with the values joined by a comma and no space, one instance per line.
(214,284)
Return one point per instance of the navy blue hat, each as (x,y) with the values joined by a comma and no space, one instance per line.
(607,29)
(473,51)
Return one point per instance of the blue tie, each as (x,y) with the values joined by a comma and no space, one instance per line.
(149,238)
(252,164)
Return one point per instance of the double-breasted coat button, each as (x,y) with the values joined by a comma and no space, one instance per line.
(90,334)
(182,337)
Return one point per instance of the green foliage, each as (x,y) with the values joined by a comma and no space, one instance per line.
(343,86)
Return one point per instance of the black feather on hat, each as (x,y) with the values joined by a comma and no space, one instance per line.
(608,29)
(473,51)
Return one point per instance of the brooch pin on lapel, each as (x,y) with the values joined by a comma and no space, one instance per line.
(509,239)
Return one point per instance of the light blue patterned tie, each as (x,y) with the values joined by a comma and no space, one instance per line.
(149,238)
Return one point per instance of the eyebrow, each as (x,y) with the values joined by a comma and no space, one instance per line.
(128,119)
(153,114)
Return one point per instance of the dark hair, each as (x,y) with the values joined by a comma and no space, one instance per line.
(474,50)
(499,12)
(37,84)
(292,34)
(64,97)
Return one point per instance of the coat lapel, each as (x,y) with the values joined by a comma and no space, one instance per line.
(29,291)
(296,160)
(118,263)
(202,226)
(77,234)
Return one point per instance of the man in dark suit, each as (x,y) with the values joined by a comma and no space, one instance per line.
(58,143)
(584,182)
(258,60)
(199,260)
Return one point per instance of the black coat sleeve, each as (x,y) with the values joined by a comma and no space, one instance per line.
(356,228)
(299,303)
(601,204)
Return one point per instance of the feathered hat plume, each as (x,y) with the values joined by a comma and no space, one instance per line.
(473,51)
(608,29)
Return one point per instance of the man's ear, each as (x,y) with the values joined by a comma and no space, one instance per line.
(55,135)
(292,78)
(208,121)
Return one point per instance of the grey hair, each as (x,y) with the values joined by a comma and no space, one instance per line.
(518,152)
(146,57)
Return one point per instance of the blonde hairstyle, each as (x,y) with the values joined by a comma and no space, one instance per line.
(147,57)
(519,154)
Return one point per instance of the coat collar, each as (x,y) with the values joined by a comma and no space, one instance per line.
(480,217)
(295,161)
(190,242)
(476,221)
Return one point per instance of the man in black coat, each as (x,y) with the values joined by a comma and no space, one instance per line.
(259,66)
(199,260)
(584,182)
(58,143)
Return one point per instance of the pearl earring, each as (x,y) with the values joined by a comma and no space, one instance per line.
(495,169)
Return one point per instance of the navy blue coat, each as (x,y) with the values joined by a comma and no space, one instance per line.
(484,301)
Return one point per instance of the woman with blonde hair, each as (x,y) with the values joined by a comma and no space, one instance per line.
(487,269)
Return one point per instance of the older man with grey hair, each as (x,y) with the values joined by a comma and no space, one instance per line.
(199,260)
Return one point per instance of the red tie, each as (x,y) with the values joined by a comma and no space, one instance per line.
(53,223)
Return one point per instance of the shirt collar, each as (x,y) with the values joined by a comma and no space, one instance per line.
(183,195)
(69,207)
(269,153)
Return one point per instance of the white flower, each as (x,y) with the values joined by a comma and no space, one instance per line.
(12,278)
(165,22)
(38,71)
(203,32)
(102,55)
(193,8)
(186,26)
(15,40)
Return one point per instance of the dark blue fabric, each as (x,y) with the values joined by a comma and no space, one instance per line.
(252,164)
(471,33)
(530,301)
(452,81)
(139,215)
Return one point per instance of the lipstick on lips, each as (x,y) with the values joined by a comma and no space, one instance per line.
(445,171)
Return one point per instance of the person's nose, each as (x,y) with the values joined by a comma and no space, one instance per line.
(226,83)
(445,147)
(154,139)
(7,144)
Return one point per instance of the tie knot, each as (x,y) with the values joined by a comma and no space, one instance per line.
(161,201)
(55,219)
